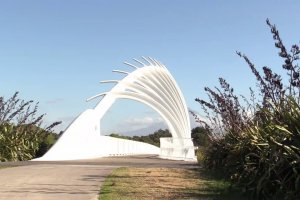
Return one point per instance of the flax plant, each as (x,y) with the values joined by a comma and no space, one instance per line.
(257,142)
(20,129)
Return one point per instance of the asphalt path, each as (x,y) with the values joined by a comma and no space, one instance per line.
(76,180)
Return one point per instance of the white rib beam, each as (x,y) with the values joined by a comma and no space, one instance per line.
(110,81)
(131,65)
(120,71)
(136,60)
(145,59)
(96,96)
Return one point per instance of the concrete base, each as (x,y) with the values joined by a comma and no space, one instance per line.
(177,149)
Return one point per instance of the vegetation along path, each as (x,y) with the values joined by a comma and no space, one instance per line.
(82,180)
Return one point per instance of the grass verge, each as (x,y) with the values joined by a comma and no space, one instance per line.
(165,183)
(2,167)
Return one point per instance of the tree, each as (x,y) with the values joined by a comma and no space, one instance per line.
(153,138)
(200,136)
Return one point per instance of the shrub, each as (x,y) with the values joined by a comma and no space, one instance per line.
(20,129)
(257,143)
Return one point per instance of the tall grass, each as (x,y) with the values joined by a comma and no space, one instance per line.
(256,141)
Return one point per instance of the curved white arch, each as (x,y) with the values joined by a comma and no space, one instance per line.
(154,86)
(150,83)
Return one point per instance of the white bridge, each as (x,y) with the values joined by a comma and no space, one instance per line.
(151,84)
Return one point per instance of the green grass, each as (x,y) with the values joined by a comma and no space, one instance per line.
(165,183)
(2,167)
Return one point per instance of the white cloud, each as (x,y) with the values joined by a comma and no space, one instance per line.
(135,123)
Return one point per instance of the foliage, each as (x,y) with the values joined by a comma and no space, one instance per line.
(150,139)
(273,162)
(201,139)
(48,139)
(20,129)
(257,145)
(201,136)
(116,135)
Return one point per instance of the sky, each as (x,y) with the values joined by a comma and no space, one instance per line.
(55,52)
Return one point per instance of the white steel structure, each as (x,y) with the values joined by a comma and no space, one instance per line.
(151,84)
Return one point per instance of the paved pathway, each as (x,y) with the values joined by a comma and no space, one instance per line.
(68,179)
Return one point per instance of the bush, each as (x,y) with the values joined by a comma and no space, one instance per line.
(200,155)
(20,129)
(257,146)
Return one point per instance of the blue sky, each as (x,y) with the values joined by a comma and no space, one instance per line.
(56,52)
